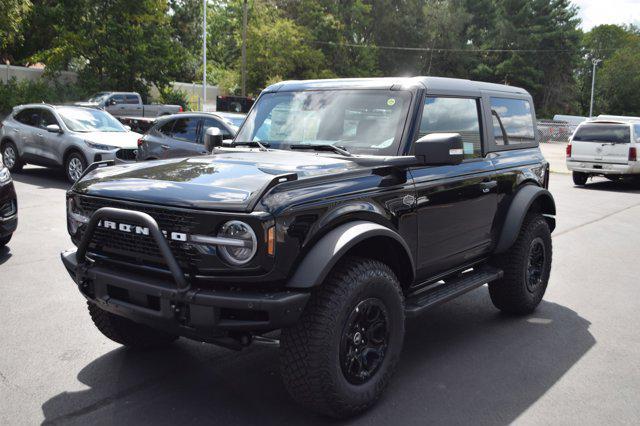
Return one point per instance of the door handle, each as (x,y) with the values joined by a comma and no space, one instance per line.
(165,146)
(16,131)
(39,134)
(488,186)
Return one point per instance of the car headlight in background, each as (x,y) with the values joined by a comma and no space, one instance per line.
(75,216)
(5,176)
(100,146)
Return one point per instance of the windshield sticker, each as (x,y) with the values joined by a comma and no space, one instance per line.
(391,102)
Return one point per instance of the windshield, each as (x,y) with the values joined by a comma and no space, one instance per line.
(615,133)
(360,121)
(96,98)
(89,120)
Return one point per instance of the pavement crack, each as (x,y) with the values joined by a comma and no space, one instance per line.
(582,225)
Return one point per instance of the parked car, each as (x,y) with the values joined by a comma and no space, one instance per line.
(606,148)
(128,104)
(8,206)
(369,201)
(181,135)
(67,136)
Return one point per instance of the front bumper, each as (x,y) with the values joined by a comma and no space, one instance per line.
(172,304)
(8,209)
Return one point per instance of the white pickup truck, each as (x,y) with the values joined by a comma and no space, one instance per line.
(127,104)
(604,147)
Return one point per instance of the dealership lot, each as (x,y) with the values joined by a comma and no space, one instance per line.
(575,361)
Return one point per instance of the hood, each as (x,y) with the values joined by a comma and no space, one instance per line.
(229,181)
(127,140)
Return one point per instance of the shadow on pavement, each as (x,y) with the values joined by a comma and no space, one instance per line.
(42,177)
(632,187)
(463,363)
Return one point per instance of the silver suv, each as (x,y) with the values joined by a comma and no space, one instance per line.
(67,136)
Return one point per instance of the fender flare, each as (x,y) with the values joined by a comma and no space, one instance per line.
(324,255)
(518,209)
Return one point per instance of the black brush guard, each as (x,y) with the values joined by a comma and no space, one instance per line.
(173,305)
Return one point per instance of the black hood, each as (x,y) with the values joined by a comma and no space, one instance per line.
(226,181)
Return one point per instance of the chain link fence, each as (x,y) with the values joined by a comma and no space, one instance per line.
(555,131)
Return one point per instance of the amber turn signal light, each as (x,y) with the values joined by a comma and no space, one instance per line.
(271,241)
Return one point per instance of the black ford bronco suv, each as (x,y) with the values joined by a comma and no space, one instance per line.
(342,208)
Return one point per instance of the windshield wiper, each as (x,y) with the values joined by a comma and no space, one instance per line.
(325,147)
(262,146)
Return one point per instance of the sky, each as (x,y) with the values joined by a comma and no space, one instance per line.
(597,12)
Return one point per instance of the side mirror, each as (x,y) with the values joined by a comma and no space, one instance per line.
(439,149)
(54,128)
(212,138)
(111,102)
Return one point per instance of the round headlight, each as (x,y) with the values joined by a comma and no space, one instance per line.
(242,253)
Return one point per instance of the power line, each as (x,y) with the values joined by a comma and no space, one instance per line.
(441,50)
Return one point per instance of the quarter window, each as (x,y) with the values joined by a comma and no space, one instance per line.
(454,115)
(514,118)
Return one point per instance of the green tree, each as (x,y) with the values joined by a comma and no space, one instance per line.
(619,80)
(12,15)
(116,44)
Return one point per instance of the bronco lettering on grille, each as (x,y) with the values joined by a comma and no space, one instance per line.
(140,230)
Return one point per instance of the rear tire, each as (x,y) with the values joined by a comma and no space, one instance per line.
(126,332)
(74,165)
(340,355)
(11,157)
(580,178)
(526,266)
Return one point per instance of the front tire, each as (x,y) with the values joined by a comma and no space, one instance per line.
(526,266)
(339,357)
(11,157)
(580,178)
(74,166)
(126,332)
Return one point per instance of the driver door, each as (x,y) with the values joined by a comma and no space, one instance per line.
(455,205)
(50,143)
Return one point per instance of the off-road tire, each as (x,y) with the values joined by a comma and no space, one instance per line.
(511,293)
(580,178)
(19,163)
(310,350)
(5,240)
(75,155)
(126,332)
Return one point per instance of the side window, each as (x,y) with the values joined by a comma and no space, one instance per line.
(132,99)
(118,98)
(166,128)
(454,115)
(636,130)
(28,116)
(186,129)
(210,122)
(47,118)
(514,116)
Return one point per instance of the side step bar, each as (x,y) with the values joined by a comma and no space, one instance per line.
(450,289)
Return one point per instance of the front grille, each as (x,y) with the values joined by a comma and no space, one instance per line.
(126,154)
(142,248)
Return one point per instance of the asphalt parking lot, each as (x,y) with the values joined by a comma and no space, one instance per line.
(575,361)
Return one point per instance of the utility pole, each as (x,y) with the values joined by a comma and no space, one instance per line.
(244,48)
(204,53)
(595,63)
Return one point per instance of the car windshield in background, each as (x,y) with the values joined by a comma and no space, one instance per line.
(89,120)
(96,98)
(360,121)
(615,133)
